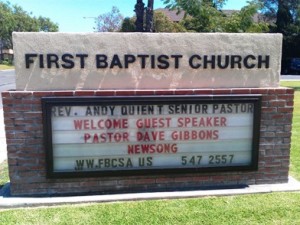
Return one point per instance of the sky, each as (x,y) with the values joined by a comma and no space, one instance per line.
(79,15)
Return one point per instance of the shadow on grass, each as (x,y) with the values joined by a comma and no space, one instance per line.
(5,190)
(295,88)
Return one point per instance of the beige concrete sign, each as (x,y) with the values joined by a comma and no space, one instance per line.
(104,61)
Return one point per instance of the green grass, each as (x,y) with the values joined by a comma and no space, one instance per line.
(3,173)
(5,67)
(276,208)
(295,148)
(279,208)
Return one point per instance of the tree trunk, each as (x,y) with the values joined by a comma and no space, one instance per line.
(149,16)
(284,17)
(139,10)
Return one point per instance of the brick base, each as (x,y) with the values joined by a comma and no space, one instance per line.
(26,152)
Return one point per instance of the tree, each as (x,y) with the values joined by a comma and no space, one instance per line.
(286,17)
(271,7)
(207,16)
(46,25)
(242,21)
(109,22)
(161,24)
(139,9)
(128,24)
(149,16)
(193,7)
(14,18)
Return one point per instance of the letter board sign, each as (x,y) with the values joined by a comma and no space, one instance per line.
(107,136)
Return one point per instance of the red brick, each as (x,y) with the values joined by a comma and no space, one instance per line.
(278,116)
(201,178)
(43,93)
(105,93)
(145,92)
(23,108)
(241,91)
(31,101)
(5,94)
(285,97)
(84,93)
(63,93)
(267,134)
(203,91)
(145,181)
(273,164)
(164,180)
(11,101)
(20,94)
(269,97)
(290,91)
(277,91)
(278,103)
(127,182)
(269,110)
(164,92)
(183,179)
(221,91)
(184,92)
(219,178)
(259,91)
(125,93)
(285,110)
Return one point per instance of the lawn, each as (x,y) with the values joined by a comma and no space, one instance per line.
(295,149)
(5,67)
(3,174)
(275,208)
(279,208)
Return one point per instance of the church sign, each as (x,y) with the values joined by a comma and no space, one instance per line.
(138,112)
(138,135)
(135,61)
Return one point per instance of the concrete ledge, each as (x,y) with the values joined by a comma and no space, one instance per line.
(13,202)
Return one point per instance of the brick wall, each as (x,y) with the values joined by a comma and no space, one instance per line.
(26,152)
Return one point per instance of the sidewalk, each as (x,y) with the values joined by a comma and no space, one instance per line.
(14,202)
(3,151)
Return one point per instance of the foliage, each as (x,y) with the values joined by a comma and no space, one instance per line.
(242,21)
(209,19)
(14,18)
(161,24)
(192,7)
(203,19)
(285,15)
(271,7)
(109,22)
(47,25)
(128,24)
(7,62)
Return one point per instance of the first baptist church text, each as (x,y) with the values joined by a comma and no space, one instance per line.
(146,61)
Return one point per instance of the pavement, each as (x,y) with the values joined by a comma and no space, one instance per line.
(7,202)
